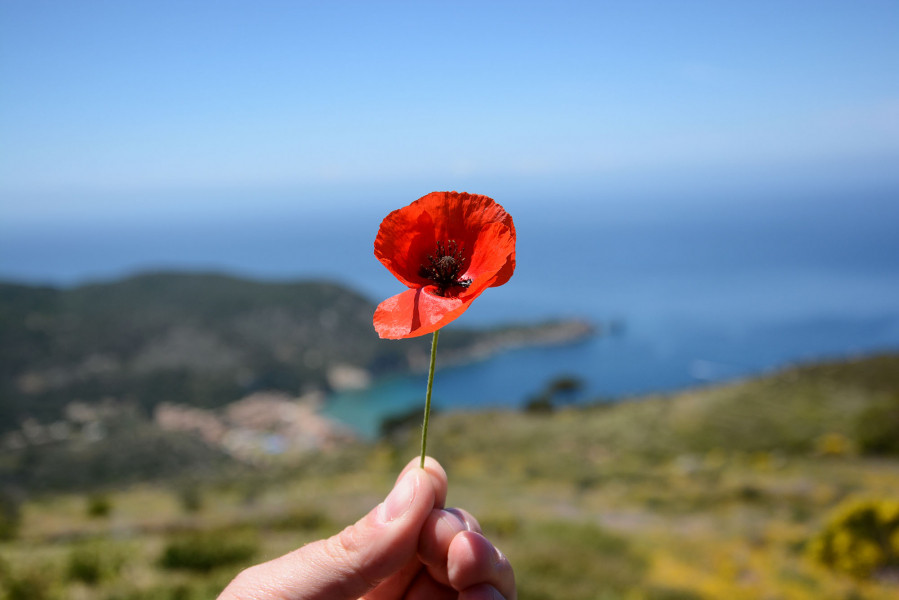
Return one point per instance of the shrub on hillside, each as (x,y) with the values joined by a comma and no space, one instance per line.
(10,513)
(877,427)
(833,445)
(190,497)
(302,519)
(98,506)
(206,551)
(93,563)
(861,538)
(29,583)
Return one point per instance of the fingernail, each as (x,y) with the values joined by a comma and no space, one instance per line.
(400,498)
(498,557)
(466,526)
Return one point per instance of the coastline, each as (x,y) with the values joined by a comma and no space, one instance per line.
(495,341)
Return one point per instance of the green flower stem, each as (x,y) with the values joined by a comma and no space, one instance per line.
(424,426)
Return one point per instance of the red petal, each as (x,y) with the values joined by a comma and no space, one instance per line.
(494,254)
(477,223)
(508,268)
(404,238)
(417,312)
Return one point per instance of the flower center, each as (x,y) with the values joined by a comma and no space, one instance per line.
(444,266)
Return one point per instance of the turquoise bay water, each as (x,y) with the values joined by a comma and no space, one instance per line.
(638,361)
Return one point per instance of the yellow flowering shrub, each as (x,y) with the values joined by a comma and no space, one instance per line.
(860,538)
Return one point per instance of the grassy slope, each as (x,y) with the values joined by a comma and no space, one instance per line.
(707,494)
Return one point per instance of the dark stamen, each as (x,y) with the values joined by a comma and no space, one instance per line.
(444,266)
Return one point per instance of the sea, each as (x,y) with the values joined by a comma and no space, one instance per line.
(685,291)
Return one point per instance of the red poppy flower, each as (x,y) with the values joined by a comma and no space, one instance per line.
(447,247)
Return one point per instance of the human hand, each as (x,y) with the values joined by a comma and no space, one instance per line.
(408,547)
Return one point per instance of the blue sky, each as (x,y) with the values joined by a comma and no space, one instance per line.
(111,106)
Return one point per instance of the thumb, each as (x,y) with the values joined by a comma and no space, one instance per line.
(349,564)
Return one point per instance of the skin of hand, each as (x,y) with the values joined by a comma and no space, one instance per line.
(408,547)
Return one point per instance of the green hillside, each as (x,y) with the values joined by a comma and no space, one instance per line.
(195,339)
(199,339)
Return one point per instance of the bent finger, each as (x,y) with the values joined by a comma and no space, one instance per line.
(472,560)
(437,533)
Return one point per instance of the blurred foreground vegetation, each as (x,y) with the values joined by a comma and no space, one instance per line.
(783,487)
